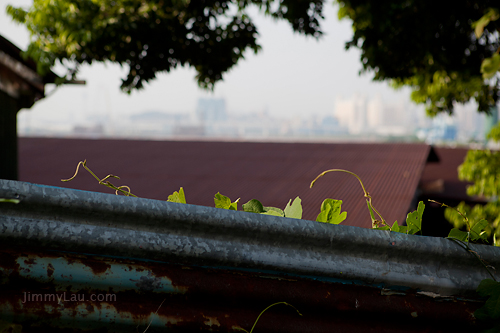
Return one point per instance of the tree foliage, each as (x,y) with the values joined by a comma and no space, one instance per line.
(482,167)
(432,49)
(151,36)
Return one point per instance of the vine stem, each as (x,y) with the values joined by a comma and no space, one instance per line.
(465,245)
(256,320)
(366,194)
(103,181)
(459,212)
(467,248)
(156,312)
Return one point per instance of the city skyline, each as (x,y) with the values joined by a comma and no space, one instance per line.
(358,118)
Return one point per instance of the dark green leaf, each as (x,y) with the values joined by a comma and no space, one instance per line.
(493,304)
(459,234)
(488,287)
(482,313)
(491,308)
(253,206)
(477,231)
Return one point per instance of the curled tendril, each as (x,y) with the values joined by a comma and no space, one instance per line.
(375,222)
(104,181)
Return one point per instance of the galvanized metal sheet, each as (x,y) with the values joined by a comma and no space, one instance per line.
(213,269)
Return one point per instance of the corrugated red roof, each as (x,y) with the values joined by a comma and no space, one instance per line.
(270,172)
(440,180)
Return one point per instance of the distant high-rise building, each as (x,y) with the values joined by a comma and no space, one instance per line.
(470,123)
(360,116)
(351,113)
(375,112)
(211,109)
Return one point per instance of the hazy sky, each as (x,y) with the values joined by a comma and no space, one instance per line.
(292,75)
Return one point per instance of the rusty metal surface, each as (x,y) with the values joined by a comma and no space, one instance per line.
(215,270)
(270,172)
(68,291)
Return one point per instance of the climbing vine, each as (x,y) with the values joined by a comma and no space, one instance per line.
(331,212)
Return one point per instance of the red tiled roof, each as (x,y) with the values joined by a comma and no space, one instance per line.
(440,180)
(270,172)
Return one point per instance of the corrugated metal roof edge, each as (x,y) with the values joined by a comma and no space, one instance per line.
(103,224)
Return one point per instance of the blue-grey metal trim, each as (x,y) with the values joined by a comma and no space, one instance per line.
(105,224)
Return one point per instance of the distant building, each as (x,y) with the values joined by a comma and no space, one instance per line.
(361,116)
(211,109)
(351,113)
(470,124)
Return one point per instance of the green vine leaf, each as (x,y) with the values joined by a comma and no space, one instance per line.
(331,212)
(273,211)
(253,206)
(477,232)
(178,197)
(221,201)
(294,209)
(491,308)
(414,219)
(459,234)
(385,227)
(399,228)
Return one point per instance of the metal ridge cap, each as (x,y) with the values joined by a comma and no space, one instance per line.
(380,268)
(200,235)
(208,222)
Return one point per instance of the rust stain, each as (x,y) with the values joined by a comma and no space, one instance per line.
(9,261)
(96,266)
(224,300)
(30,261)
(50,270)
